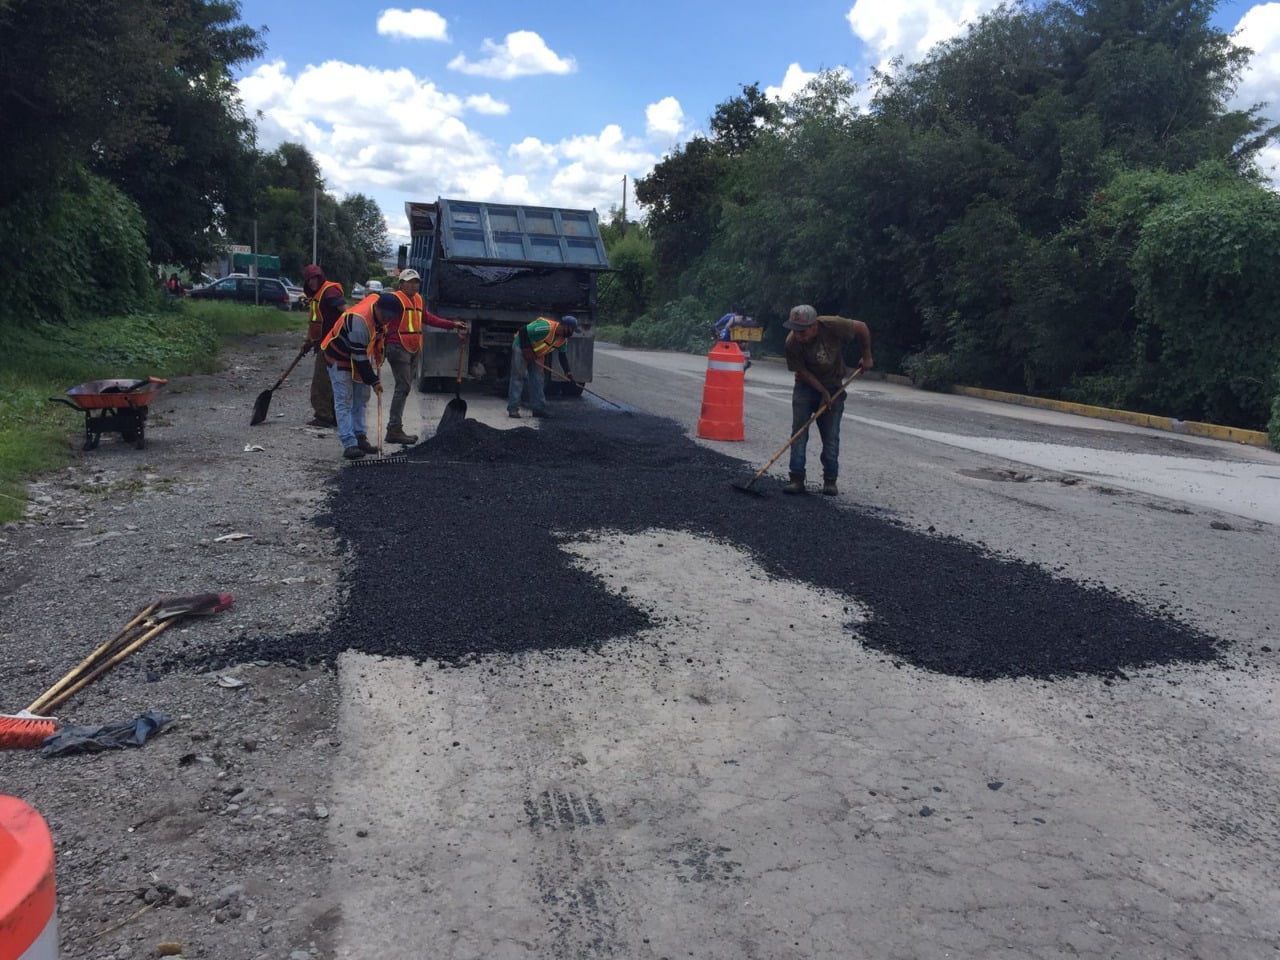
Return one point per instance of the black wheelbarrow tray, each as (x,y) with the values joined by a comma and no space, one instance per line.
(113,406)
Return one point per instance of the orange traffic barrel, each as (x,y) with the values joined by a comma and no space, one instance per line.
(722,394)
(28,898)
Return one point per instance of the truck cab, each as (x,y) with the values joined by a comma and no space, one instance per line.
(500,266)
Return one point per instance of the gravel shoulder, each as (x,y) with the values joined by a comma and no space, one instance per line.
(212,835)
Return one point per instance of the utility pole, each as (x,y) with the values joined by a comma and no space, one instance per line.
(624,201)
(314,191)
(253,271)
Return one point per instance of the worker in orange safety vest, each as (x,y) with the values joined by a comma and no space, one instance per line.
(325,302)
(404,349)
(353,350)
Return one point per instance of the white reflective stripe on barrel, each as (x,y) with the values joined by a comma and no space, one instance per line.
(46,945)
(721,365)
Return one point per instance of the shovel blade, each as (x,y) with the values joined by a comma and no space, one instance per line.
(260,408)
(455,412)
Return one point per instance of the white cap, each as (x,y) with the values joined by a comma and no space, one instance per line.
(407,275)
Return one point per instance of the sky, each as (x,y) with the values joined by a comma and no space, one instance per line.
(554,102)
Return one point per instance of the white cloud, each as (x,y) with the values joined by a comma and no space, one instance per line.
(523,54)
(911,27)
(367,128)
(532,154)
(416,24)
(665,119)
(793,82)
(396,137)
(483,103)
(1259,30)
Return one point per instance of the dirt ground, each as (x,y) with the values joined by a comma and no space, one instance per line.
(212,835)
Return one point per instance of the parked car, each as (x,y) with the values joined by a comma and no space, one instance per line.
(263,290)
(296,295)
(374,286)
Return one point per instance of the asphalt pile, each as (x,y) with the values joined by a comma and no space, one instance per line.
(454,553)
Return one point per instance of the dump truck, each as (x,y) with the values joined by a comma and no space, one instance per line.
(499,266)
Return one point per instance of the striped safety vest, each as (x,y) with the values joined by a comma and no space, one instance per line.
(408,330)
(552,337)
(315,324)
(338,349)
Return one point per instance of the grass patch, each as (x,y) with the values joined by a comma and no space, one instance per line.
(40,362)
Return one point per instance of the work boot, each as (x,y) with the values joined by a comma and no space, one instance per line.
(829,486)
(397,435)
(352,453)
(363,443)
(322,422)
(513,413)
(795,484)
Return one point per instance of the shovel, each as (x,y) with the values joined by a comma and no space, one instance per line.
(264,398)
(748,486)
(455,410)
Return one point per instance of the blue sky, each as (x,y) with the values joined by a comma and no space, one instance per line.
(554,102)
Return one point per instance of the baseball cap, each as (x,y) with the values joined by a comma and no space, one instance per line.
(407,275)
(311,270)
(570,322)
(801,318)
(390,305)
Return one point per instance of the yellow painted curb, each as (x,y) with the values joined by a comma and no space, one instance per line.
(1254,438)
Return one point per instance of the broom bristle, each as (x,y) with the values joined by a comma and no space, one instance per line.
(25,733)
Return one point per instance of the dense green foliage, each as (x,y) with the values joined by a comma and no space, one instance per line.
(139,91)
(88,228)
(126,148)
(1058,201)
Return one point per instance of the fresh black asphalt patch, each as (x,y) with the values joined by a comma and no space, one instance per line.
(455,553)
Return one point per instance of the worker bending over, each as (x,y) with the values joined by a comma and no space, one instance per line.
(353,349)
(529,349)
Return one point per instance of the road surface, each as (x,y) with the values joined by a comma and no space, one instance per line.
(745,779)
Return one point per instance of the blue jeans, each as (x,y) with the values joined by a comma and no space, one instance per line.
(804,401)
(520,373)
(349,399)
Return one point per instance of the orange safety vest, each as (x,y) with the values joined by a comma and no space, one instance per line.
(554,339)
(408,331)
(315,326)
(337,350)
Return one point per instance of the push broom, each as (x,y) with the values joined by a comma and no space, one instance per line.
(29,728)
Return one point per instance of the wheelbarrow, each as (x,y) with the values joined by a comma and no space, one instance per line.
(113,406)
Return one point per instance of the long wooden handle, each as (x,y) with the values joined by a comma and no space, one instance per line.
(289,369)
(92,658)
(807,424)
(556,373)
(66,695)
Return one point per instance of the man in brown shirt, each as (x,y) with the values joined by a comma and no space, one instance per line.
(815,354)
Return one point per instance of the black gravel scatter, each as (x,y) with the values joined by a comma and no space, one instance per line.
(455,553)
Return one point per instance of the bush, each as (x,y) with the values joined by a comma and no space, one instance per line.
(90,227)
(1273,428)
(931,371)
(686,324)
